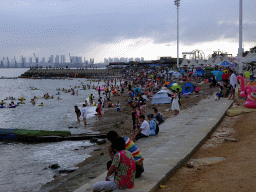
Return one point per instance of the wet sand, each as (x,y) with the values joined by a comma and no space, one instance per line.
(122,124)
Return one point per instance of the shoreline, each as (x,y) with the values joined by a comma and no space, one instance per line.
(121,123)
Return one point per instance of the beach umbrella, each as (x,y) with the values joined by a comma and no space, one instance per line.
(175,86)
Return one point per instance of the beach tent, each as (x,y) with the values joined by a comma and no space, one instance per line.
(217,61)
(199,72)
(169,86)
(201,62)
(175,86)
(176,74)
(227,64)
(187,88)
(218,75)
(209,62)
(161,97)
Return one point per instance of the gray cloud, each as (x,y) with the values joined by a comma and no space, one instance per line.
(72,26)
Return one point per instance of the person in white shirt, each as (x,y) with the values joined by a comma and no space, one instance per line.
(144,130)
(83,110)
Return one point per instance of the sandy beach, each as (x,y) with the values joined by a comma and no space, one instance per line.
(121,123)
(235,173)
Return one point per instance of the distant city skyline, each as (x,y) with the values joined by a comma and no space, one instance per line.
(100,29)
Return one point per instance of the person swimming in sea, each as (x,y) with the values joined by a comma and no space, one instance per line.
(33,101)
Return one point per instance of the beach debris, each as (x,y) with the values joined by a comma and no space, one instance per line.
(98,141)
(101,141)
(162,186)
(206,161)
(93,140)
(230,140)
(67,170)
(167,110)
(70,127)
(54,166)
(97,149)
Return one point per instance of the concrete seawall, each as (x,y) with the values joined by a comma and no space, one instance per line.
(80,73)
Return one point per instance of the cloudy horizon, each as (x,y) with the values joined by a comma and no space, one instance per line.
(113,28)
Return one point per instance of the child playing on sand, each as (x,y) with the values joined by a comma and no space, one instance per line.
(118,105)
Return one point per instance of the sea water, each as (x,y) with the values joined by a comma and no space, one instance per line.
(24,167)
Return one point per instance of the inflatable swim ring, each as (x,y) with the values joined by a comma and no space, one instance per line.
(137,91)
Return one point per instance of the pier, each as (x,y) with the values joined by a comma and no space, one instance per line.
(65,73)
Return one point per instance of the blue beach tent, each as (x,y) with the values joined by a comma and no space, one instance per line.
(227,64)
(187,88)
(169,86)
(199,72)
(218,75)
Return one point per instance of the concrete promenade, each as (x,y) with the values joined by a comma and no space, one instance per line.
(178,138)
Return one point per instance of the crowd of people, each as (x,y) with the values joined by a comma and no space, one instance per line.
(140,86)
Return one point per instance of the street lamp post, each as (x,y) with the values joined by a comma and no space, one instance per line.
(177,3)
(240,50)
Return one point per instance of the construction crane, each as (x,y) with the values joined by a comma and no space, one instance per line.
(2,63)
(15,62)
(8,62)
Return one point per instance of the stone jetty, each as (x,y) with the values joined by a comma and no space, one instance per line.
(65,73)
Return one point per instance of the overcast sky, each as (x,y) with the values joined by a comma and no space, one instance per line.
(116,28)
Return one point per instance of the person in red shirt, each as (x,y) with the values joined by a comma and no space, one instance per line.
(225,77)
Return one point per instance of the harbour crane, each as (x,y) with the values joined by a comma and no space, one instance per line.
(8,62)
(15,62)
(2,63)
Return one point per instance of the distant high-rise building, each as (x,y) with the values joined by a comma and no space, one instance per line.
(106,61)
(62,59)
(43,60)
(122,59)
(76,59)
(137,59)
(57,59)
(126,60)
(131,59)
(23,61)
(86,62)
(110,60)
(50,59)
(142,59)
(116,59)
(91,61)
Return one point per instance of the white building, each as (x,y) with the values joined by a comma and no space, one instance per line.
(116,59)
(131,59)
(43,60)
(62,59)
(30,60)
